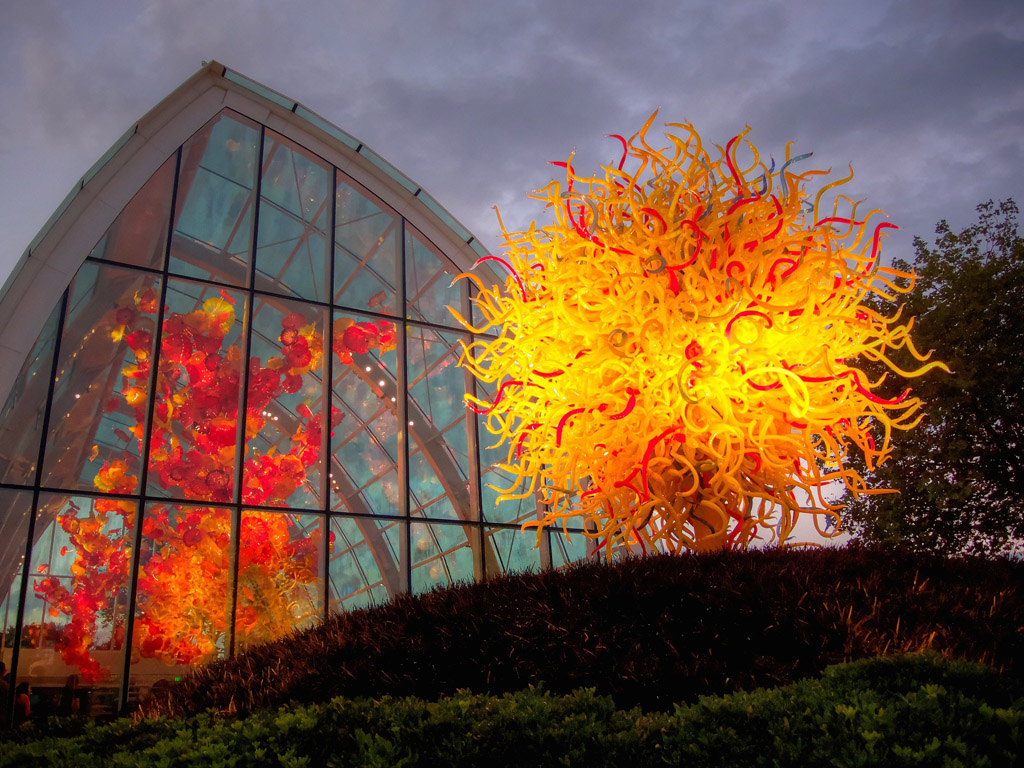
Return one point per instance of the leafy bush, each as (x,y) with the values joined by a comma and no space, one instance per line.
(903,711)
(647,631)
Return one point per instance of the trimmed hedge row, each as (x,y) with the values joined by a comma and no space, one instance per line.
(647,631)
(897,711)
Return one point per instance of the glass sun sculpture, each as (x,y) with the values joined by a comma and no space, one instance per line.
(677,353)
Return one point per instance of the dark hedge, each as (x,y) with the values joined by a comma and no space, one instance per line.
(647,631)
(909,711)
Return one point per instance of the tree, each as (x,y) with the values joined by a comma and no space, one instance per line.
(960,475)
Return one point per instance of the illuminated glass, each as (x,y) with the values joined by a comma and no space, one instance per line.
(102,382)
(280,575)
(193,446)
(181,622)
(285,405)
(74,621)
(281,274)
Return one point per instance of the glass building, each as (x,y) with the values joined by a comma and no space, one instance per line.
(232,401)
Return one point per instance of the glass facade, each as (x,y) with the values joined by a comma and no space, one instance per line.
(245,411)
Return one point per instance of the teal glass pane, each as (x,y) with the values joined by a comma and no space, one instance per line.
(101,394)
(183,593)
(510,550)
(193,445)
(365,429)
(495,482)
(15,509)
(367,239)
(285,405)
(139,233)
(295,216)
(213,214)
(442,555)
(428,282)
(573,548)
(480,321)
(364,562)
(439,440)
(280,575)
(574,522)
(77,601)
(21,420)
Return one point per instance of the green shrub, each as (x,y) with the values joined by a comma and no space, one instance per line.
(648,631)
(913,711)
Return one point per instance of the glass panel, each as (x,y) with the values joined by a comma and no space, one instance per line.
(284,408)
(514,550)
(193,443)
(15,508)
(441,555)
(571,549)
(213,214)
(21,421)
(139,233)
(574,522)
(101,395)
(364,435)
(439,446)
(495,482)
(280,575)
(479,319)
(365,560)
(366,250)
(476,316)
(181,615)
(75,611)
(428,278)
(295,215)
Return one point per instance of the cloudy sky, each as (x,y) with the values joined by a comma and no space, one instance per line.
(471,99)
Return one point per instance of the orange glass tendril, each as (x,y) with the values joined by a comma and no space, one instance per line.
(677,352)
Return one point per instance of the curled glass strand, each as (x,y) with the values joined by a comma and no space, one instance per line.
(680,348)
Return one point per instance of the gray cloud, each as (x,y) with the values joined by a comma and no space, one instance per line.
(472,99)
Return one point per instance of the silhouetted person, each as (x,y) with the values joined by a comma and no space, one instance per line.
(72,699)
(5,689)
(22,705)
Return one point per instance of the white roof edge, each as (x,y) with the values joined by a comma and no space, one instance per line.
(56,253)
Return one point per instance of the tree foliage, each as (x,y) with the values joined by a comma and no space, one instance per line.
(960,474)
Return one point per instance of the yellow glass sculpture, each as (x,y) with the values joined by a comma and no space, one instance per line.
(677,353)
